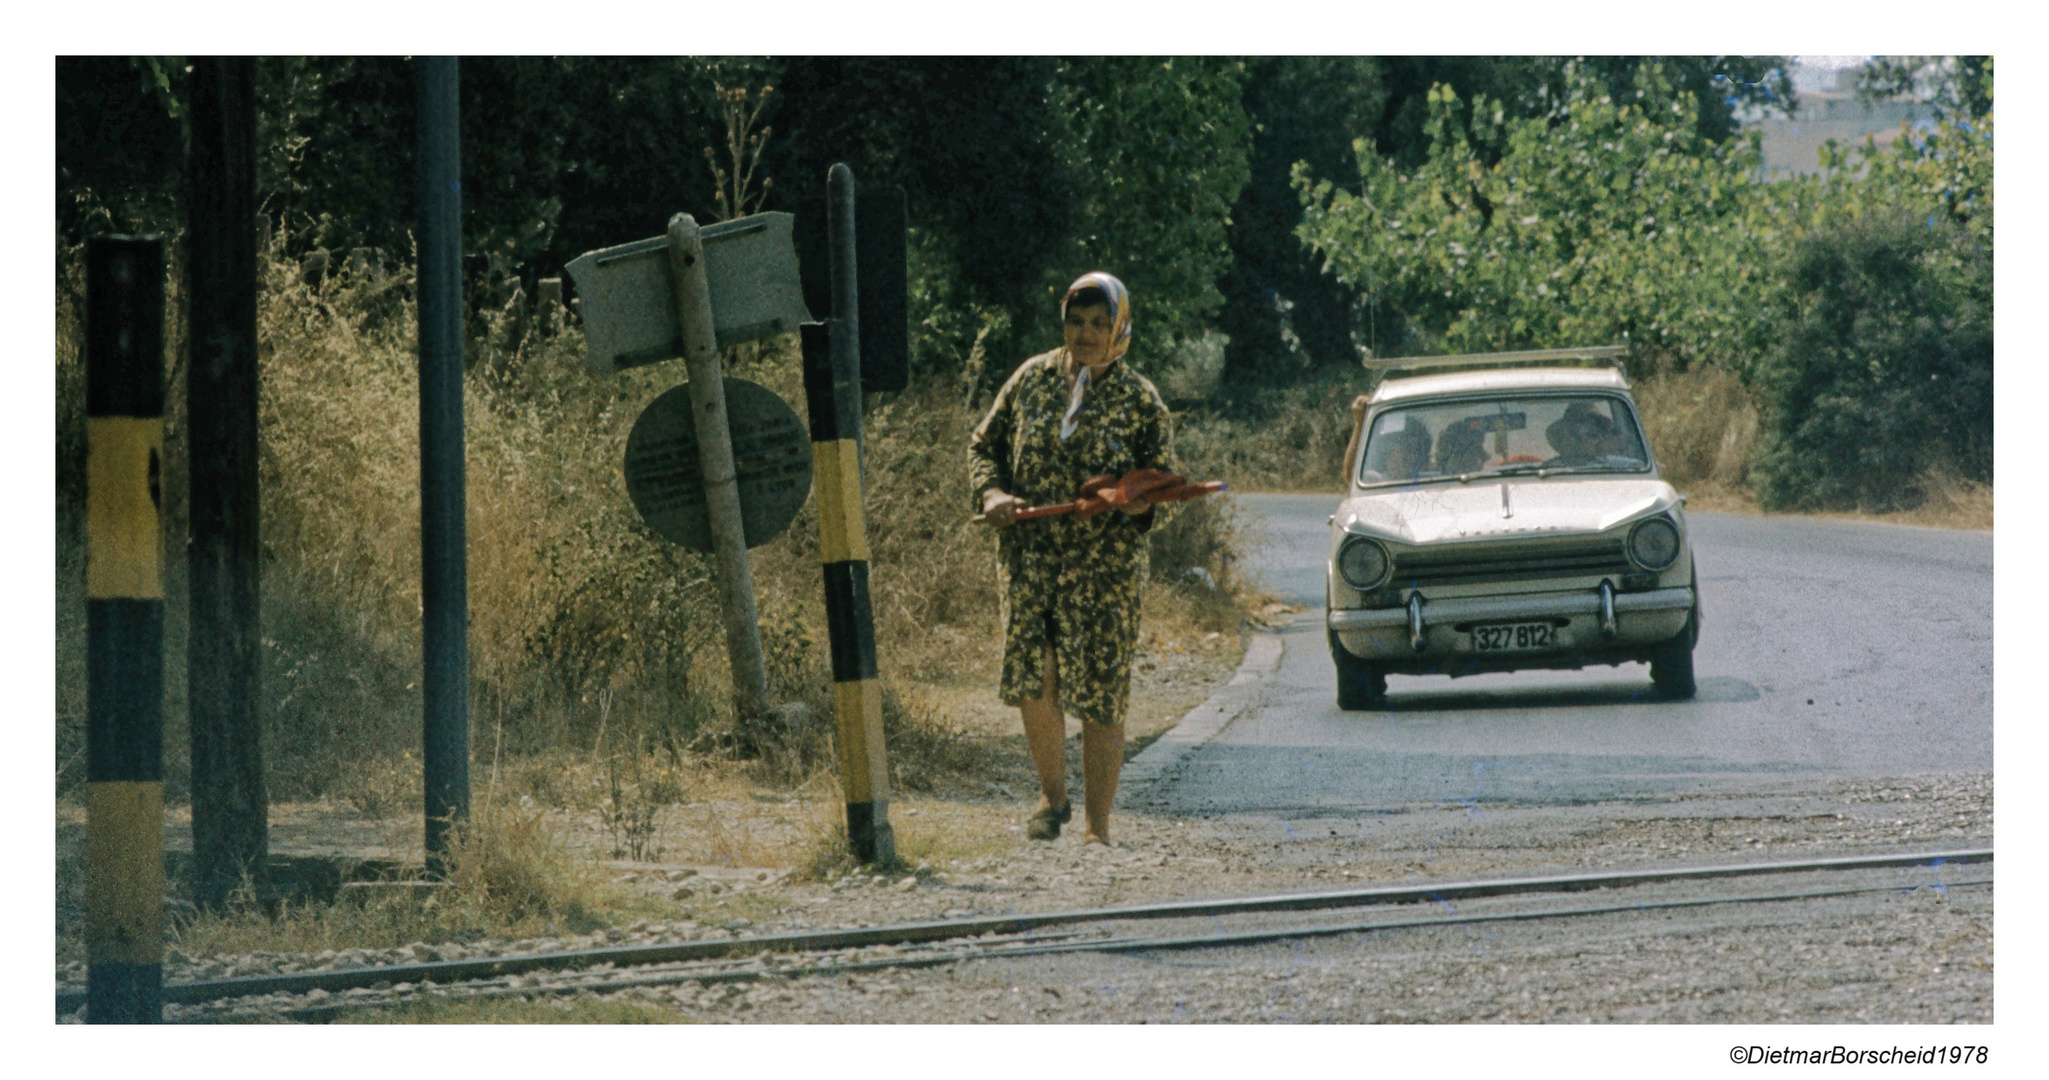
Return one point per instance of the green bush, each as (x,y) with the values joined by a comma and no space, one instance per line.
(1880,376)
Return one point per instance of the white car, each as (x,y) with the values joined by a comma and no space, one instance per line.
(1506,519)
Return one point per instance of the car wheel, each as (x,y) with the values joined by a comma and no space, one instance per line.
(1361,685)
(1672,662)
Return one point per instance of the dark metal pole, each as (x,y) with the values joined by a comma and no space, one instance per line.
(444,562)
(832,384)
(230,806)
(124,615)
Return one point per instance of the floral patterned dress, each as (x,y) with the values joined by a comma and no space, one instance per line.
(1074,584)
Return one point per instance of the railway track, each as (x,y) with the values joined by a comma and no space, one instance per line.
(929,944)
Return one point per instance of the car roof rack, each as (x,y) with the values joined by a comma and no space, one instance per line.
(1602,355)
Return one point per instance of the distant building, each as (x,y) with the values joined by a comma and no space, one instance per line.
(1793,144)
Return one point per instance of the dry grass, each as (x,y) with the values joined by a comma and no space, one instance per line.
(1701,424)
(1290,439)
(514,875)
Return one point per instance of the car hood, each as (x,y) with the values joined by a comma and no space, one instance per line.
(1430,513)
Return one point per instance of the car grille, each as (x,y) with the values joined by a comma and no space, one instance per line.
(1525,563)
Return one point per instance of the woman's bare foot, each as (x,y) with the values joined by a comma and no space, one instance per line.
(1092,838)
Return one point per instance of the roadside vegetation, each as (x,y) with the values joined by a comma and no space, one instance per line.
(1850,312)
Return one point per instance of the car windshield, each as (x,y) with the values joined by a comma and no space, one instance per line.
(1474,437)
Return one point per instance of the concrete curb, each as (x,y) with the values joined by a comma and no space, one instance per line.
(1202,723)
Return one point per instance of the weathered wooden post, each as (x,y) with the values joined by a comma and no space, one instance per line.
(124,614)
(230,803)
(721,487)
(444,550)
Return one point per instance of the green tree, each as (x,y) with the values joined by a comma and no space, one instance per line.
(1958,86)
(1881,369)
(120,144)
(1284,313)
(1023,172)
(1162,143)
(1614,217)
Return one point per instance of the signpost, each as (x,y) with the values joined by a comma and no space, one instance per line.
(691,293)
(713,483)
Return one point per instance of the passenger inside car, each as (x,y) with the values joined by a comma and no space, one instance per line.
(1462,448)
(1401,454)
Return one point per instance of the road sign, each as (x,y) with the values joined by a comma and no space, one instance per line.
(771,454)
(628,292)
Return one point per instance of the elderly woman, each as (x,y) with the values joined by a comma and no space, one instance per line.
(1071,586)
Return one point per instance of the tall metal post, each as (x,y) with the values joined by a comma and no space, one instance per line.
(832,387)
(230,805)
(124,614)
(721,480)
(444,558)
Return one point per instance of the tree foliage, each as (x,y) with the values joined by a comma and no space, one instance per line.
(1021,172)
(1613,217)
(1958,86)
(1160,146)
(1857,304)
(1880,371)
(1285,314)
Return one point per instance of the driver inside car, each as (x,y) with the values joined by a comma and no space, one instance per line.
(1585,437)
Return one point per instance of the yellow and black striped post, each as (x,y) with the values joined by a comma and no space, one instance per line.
(832,390)
(124,408)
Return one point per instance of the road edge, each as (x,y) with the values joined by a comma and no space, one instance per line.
(1204,722)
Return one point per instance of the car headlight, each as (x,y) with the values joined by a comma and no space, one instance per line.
(1362,563)
(1654,544)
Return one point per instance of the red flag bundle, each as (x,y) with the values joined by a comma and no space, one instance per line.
(1100,493)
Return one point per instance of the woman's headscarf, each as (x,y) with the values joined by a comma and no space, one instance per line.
(1120,307)
(1120,336)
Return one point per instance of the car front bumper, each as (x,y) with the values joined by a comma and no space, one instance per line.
(1594,626)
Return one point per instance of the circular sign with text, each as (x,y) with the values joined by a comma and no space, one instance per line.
(771,455)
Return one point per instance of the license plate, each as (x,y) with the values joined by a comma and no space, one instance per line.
(1515,637)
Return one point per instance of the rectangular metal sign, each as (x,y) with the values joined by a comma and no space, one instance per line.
(628,299)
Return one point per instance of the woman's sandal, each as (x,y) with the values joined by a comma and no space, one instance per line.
(1045,825)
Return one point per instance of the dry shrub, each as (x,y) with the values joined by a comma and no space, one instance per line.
(569,595)
(1952,501)
(511,864)
(1702,424)
(1279,439)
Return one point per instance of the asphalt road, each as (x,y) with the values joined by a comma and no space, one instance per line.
(1829,648)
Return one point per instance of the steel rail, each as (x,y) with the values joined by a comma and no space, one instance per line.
(326,1012)
(449,971)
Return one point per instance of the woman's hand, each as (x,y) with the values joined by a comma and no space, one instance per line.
(1359,407)
(999,508)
